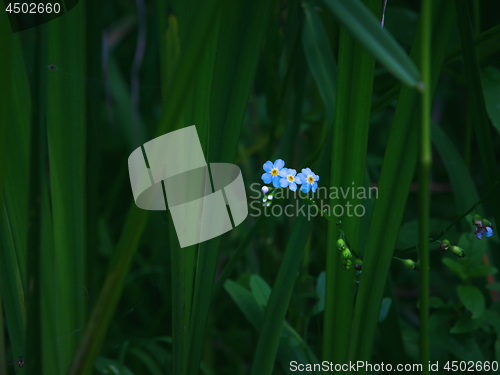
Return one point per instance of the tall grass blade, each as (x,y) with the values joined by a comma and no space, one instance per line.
(66,129)
(425,165)
(350,141)
(16,109)
(397,172)
(269,336)
(241,34)
(135,222)
(365,28)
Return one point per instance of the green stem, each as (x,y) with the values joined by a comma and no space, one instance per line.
(424,184)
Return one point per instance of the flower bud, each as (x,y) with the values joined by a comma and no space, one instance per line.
(346,254)
(459,252)
(409,264)
(445,244)
(265,189)
(358,264)
(477,220)
(341,244)
(270,197)
(346,264)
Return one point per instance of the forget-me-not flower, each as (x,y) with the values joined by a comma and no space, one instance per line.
(309,180)
(483,231)
(272,172)
(288,179)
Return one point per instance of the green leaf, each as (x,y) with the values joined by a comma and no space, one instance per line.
(319,56)
(481,271)
(365,28)
(260,290)
(472,298)
(490,79)
(455,267)
(466,324)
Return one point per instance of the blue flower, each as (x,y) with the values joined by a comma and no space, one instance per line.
(308,180)
(288,179)
(272,172)
(484,231)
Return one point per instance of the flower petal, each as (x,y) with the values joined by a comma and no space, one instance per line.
(314,186)
(316,177)
(293,172)
(305,188)
(267,178)
(298,179)
(293,186)
(276,181)
(283,172)
(268,166)
(284,182)
(489,232)
(278,164)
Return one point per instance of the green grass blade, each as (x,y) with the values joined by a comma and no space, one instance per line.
(277,306)
(14,199)
(397,172)
(480,115)
(241,35)
(425,165)
(269,336)
(48,286)
(451,56)
(66,129)
(350,141)
(3,362)
(135,222)
(365,28)
(319,56)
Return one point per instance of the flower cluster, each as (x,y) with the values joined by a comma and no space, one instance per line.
(483,227)
(287,177)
